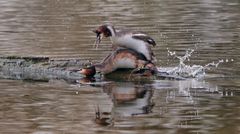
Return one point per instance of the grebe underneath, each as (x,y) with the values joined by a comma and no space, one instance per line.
(121,58)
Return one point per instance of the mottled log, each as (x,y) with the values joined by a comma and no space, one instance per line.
(40,68)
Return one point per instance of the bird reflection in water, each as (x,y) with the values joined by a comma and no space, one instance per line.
(128,99)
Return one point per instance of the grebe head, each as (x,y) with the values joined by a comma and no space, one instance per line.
(106,30)
(88,71)
(103,31)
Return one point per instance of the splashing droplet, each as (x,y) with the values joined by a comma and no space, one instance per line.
(188,71)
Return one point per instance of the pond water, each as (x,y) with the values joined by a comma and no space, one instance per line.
(62,29)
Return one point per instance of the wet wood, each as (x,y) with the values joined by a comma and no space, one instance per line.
(40,68)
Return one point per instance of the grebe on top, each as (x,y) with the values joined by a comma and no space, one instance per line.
(134,40)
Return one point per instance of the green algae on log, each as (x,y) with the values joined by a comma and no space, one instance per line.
(40,68)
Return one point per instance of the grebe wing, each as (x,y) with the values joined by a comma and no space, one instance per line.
(145,38)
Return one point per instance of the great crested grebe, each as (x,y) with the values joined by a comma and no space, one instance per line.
(137,41)
(121,58)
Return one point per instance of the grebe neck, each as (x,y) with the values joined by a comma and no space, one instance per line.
(112,30)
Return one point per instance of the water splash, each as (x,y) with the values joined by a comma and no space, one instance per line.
(183,71)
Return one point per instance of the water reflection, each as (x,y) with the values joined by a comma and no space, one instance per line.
(169,106)
(129,99)
(164,104)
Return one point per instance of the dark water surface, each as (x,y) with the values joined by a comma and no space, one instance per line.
(62,29)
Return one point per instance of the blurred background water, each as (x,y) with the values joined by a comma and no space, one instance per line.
(62,29)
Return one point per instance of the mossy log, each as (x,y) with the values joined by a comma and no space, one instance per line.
(40,68)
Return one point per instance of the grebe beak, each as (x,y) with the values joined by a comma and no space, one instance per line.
(98,38)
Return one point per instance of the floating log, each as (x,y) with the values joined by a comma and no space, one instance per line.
(40,68)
